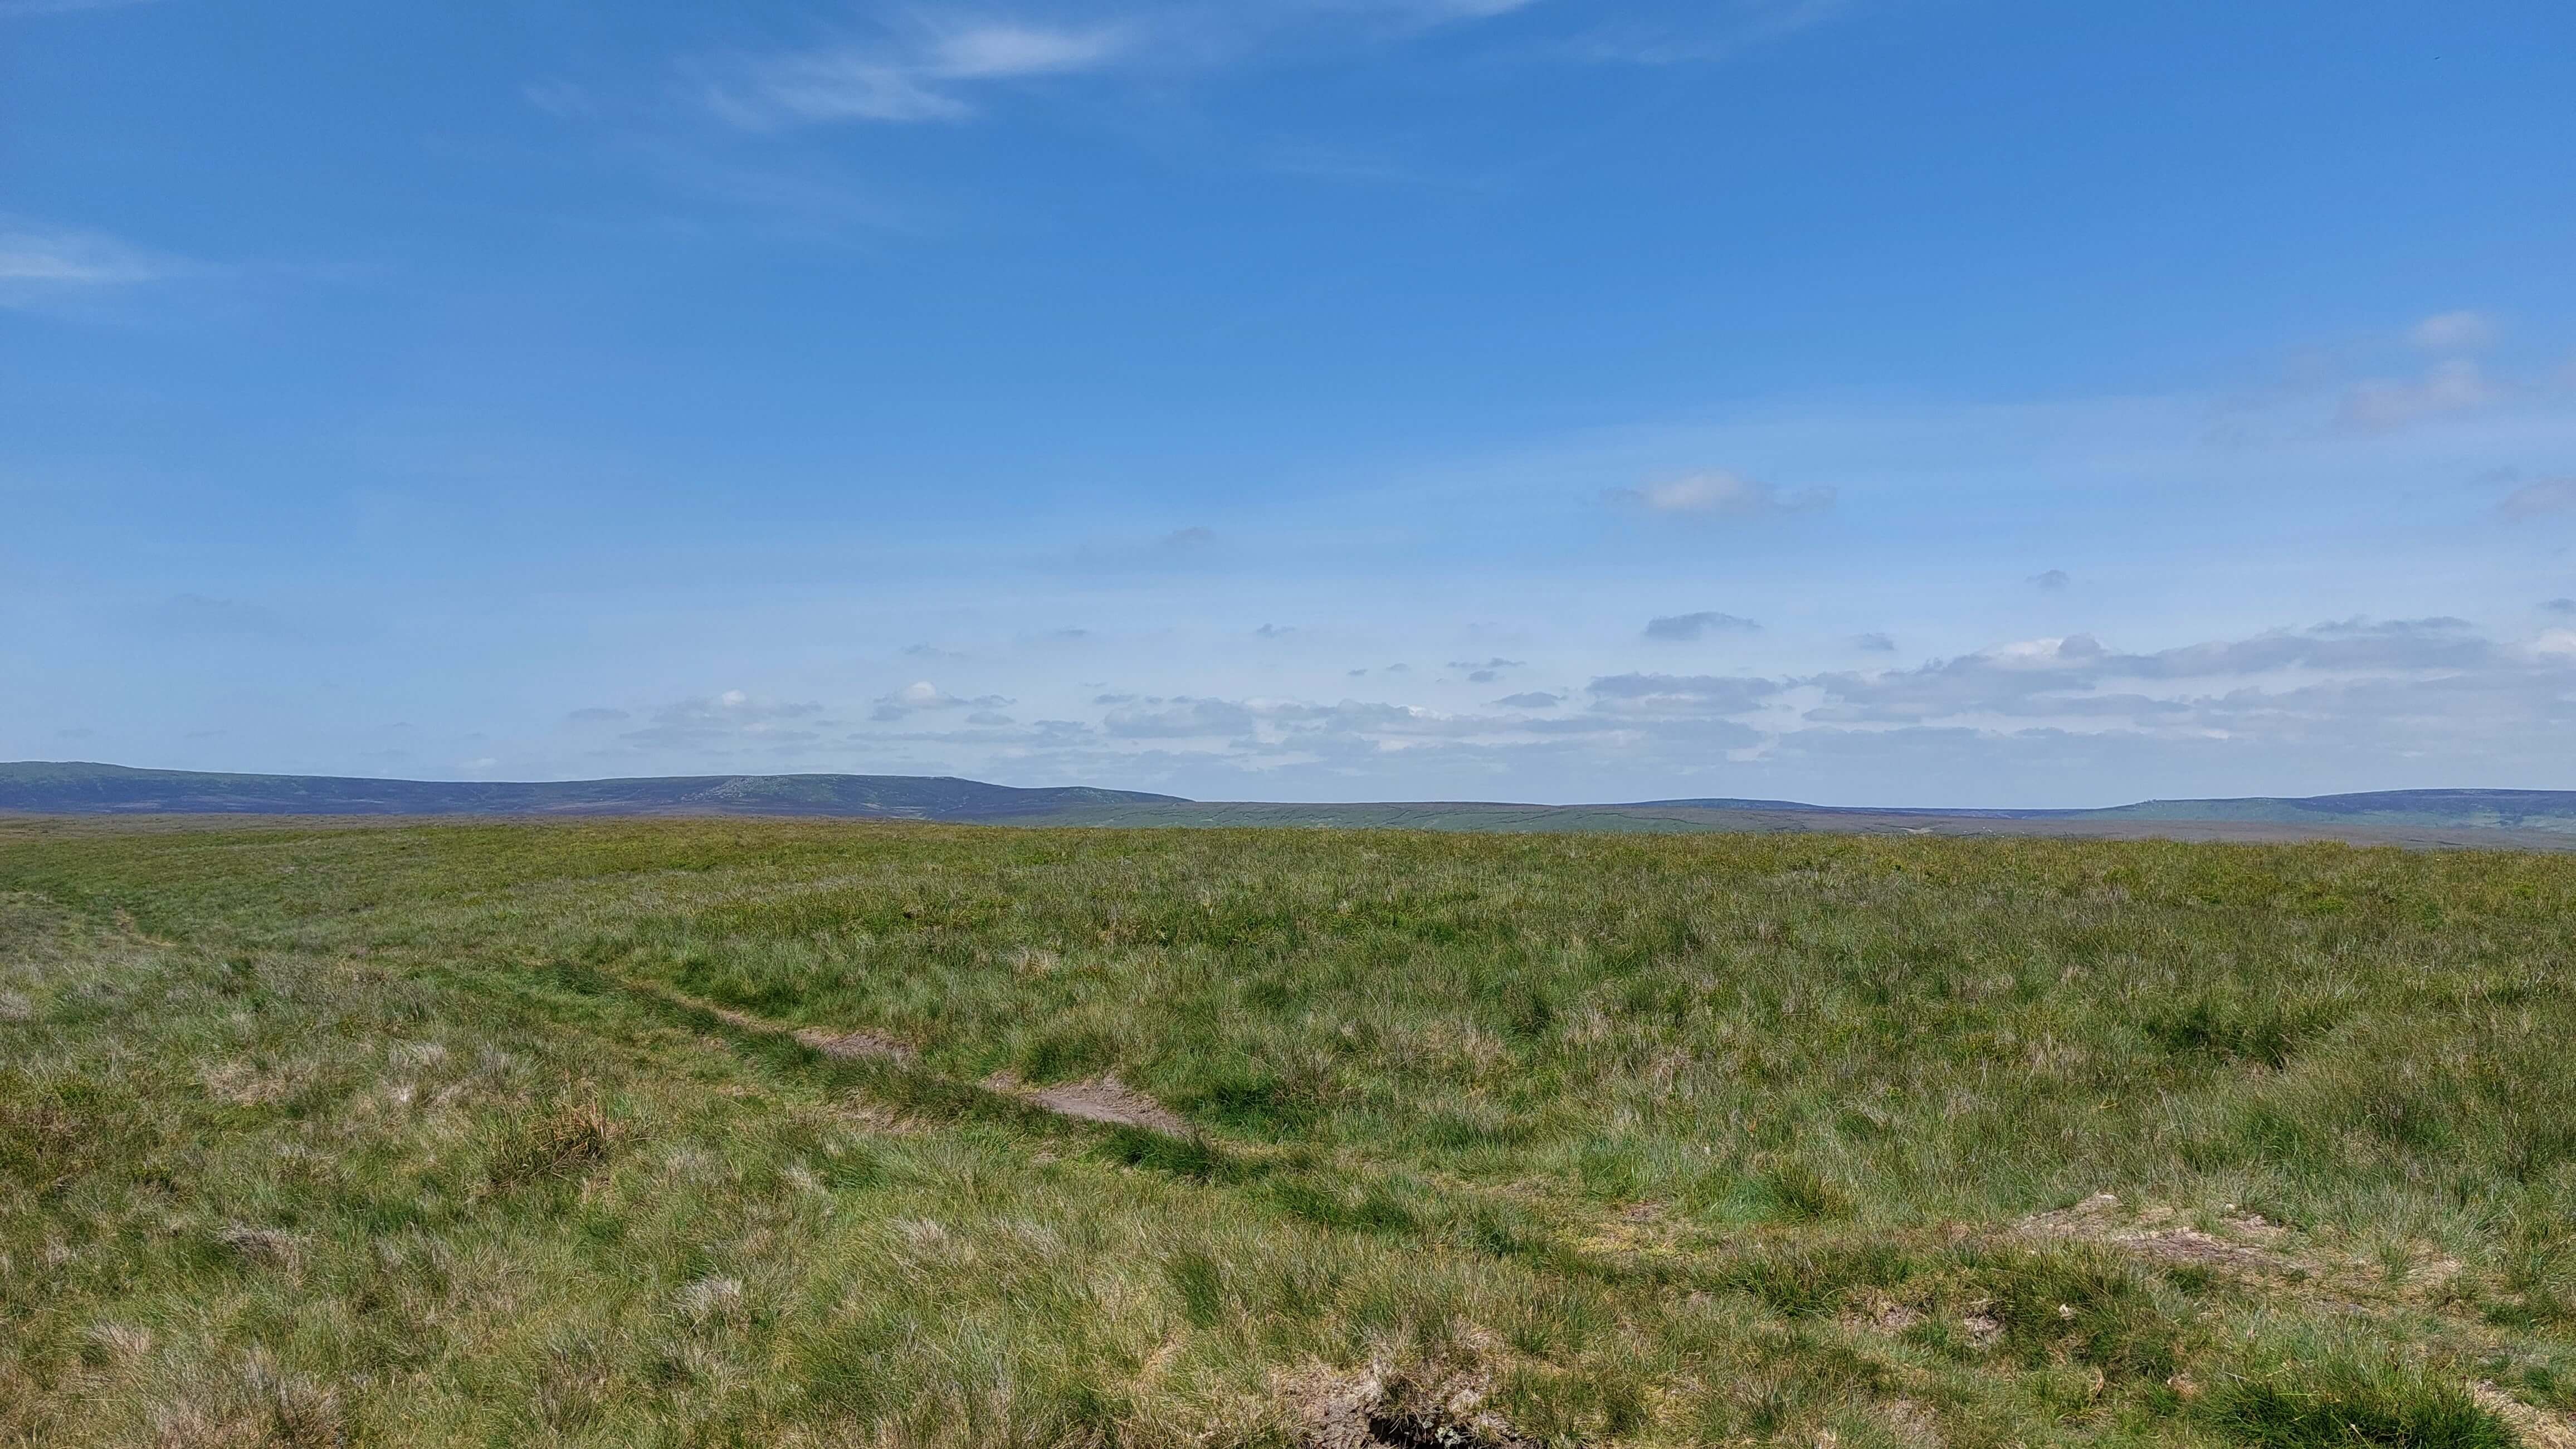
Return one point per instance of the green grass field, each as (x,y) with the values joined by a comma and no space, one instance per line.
(678,1133)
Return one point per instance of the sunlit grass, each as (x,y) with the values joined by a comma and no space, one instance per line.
(418,1135)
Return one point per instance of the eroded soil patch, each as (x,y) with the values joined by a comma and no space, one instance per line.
(1108,1100)
(2153,1234)
(859,1045)
(1379,1410)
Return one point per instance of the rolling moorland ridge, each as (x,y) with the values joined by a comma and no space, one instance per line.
(2528,819)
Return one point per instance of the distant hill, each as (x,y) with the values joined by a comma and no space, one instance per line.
(2552,810)
(2543,818)
(1796,807)
(2547,810)
(88,789)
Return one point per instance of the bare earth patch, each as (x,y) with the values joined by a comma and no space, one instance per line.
(2098,1219)
(1106,1099)
(1911,1421)
(2536,1427)
(861,1045)
(1883,1315)
(1376,1410)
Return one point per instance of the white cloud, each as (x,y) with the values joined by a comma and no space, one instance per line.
(2453,332)
(921,74)
(2079,678)
(1696,694)
(1722,494)
(923,67)
(2057,720)
(921,696)
(981,52)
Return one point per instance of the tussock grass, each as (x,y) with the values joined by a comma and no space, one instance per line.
(2354,1401)
(506,1134)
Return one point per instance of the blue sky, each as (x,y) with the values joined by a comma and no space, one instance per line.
(1868,401)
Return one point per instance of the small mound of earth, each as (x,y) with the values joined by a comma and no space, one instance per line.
(1375,1411)
(2193,1248)
(1106,1099)
(866,1045)
(2098,1219)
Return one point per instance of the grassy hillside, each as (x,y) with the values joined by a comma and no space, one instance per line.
(757,1132)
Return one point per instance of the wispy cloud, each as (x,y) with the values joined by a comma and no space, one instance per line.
(2550,495)
(2381,405)
(733,719)
(924,71)
(993,51)
(1180,719)
(2453,332)
(923,697)
(1714,31)
(1690,628)
(16,9)
(1180,549)
(1721,494)
(1701,694)
(919,65)
(47,263)
(2078,678)
(2356,693)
